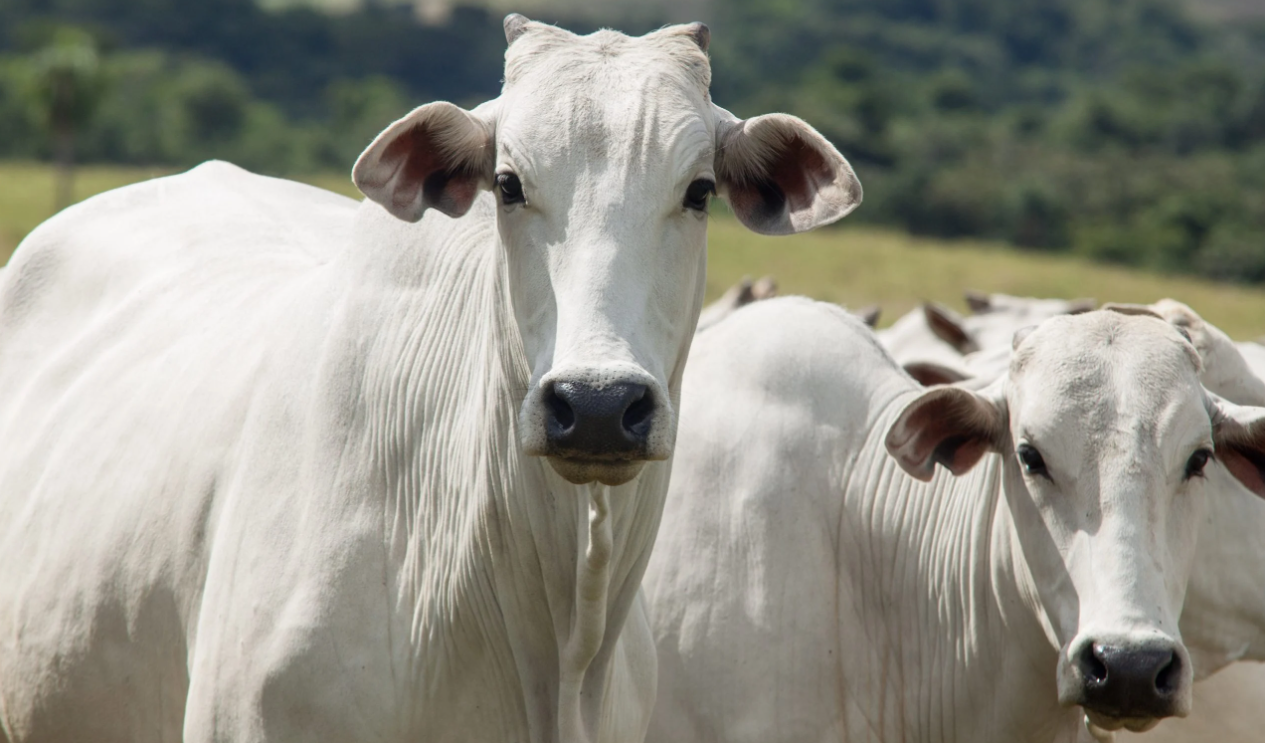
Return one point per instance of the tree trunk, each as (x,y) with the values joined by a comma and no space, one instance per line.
(64,154)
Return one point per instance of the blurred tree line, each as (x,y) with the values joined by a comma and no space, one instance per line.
(1125,130)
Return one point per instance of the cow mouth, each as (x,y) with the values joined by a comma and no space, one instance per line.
(1109,723)
(607,471)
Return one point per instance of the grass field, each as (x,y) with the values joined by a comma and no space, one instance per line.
(851,265)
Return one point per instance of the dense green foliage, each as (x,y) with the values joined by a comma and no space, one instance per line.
(1124,131)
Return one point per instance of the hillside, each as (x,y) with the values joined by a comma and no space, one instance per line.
(853,265)
(1227,10)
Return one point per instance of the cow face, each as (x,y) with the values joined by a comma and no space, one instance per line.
(1106,434)
(601,156)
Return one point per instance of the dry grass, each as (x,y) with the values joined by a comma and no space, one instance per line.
(860,265)
(851,265)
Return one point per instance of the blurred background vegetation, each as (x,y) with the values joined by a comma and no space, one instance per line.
(1127,131)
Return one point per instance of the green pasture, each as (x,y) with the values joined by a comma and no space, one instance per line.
(851,265)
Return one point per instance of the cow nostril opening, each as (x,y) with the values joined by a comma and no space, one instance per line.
(1092,665)
(637,417)
(559,409)
(1167,680)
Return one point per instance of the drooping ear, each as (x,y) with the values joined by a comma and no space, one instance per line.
(948,426)
(869,314)
(437,157)
(764,287)
(948,327)
(1081,306)
(1142,310)
(780,176)
(1238,433)
(977,301)
(929,373)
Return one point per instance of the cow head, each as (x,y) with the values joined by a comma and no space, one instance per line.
(601,155)
(1106,433)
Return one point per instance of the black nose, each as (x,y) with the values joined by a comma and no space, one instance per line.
(1129,682)
(589,422)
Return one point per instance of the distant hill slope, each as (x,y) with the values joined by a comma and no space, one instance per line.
(676,9)
(1227,9)
(607,10)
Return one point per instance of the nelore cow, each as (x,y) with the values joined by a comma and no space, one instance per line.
(275,466)
(848,556)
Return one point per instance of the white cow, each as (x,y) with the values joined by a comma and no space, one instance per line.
(276,467)
(807,586)
(938,346)
(930,332)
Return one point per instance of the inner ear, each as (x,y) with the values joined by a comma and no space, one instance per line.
(1238,434)
(1246,464)
(930,374)
(781,176)
(437,157)
(948,426)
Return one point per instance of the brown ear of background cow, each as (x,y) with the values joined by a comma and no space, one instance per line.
(979,302)
(869,314)
(947,326)
(928,373)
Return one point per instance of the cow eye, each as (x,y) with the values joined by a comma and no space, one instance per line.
(1032,461)
(1195,465)
(511,189)
(696,195)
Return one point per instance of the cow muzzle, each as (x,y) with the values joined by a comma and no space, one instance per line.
(602,429)
(1126,684)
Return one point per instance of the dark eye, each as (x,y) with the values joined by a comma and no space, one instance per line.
(1032,461)
(1195,465)
(511,189)
(696,195)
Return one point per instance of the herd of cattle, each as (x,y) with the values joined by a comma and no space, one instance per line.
(276,465)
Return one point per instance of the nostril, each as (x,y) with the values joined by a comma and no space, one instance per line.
(1091,663)
(1167,680)
(559,409)
(637,417)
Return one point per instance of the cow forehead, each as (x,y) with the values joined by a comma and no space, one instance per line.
(1099,371)
(551,57)
(606,95)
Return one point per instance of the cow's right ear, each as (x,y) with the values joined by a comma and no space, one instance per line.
(948,426)
(437,157)
(780,175)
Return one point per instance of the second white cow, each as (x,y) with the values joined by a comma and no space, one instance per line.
(809,585)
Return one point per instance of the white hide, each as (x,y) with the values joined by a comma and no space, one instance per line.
(920,335)
(804,587)
(968,345)
(265,465)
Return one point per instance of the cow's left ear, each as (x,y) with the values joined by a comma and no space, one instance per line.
(437,157)
(780,176)
(1238,433)
(948,426)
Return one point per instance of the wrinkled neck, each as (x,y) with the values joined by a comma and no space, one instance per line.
(945,599)
(488,547)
